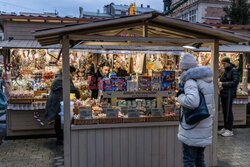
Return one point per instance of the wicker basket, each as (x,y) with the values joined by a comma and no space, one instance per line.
(86,121)
(110,120)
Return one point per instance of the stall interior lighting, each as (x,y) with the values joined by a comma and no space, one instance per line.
(194,46)
(189,47)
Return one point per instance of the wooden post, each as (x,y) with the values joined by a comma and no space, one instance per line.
(66,100)
(215,64)
(145,31)
(245,73)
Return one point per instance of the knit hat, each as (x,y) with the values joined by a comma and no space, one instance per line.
(225,59)
(188,61)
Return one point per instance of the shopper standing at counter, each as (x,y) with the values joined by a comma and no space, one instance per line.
(95,82)
(53,102)
(195,137)
(229,81)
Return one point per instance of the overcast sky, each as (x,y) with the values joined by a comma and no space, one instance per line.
(69,7)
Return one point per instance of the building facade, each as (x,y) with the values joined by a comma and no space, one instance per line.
(202,11)
(123,10)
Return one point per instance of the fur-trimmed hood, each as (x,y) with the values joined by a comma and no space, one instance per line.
(203,72)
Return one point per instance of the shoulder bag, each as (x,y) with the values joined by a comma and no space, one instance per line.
(193,117)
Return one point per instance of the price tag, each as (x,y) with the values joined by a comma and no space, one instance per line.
(157,112)
(85,114)
(112,113)
(133,113)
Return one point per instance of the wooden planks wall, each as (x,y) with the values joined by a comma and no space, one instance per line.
(239,112)
(21,123)
(155,146)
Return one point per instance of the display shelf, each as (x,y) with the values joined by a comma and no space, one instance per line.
(25,100)
(138,94)
(21,100)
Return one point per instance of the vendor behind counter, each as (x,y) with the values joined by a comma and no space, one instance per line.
(95,79)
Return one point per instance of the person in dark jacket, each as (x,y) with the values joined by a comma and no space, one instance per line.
(229,81)
(95,82)
(53,103)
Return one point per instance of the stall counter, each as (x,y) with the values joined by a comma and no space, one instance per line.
(128,144)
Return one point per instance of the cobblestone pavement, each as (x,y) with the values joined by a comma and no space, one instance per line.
(31,153)
(42,152)
(234,151)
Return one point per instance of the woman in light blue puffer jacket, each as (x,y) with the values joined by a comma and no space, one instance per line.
(195,140)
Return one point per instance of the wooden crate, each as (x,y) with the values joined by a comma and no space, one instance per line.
(173,118)
(242,96)
(155,119)
(21,101)
(133,120)
(86,121)
(39,92)
(110,120)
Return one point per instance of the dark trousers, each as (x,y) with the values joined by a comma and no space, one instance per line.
(58,129)
(227,103)
(193,156)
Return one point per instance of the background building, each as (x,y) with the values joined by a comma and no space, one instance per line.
(122,10)
(203,11)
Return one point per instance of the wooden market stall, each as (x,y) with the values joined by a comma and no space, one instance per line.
(140,144)
(239,107)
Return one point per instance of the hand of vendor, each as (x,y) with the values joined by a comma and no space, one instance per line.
(220,85)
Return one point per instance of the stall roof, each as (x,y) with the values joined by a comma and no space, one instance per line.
(156,25)
(34,44)
(227,48)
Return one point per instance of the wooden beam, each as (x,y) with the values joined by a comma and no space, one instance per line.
(107,24)
(145,30)
(130,44)
(183,32)
(167,32)
(50,40)
(49,37)
(215,67)
(138,39)
(49,43)
(102,29)
(66,100)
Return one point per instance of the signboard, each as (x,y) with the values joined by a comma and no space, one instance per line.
(112,113)
(85,113)
(133,113)
(157,112)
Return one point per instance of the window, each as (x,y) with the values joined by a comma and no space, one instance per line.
(184,16)
(193,15)
(123,12)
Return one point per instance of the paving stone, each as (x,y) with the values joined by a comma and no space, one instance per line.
(234,151)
